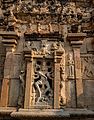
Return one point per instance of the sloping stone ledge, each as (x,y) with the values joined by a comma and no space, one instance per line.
(53,114)
(24,113)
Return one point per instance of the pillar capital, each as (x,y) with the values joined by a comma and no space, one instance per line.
(28,55)
(9,40)
(76,40)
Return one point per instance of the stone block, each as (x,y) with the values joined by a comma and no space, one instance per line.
(13,92)
(88,93)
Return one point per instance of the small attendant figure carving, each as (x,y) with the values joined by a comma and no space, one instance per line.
(21,90)
(44,49)
(70,66)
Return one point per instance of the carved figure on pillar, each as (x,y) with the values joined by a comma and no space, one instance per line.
(21,90)
(70,66)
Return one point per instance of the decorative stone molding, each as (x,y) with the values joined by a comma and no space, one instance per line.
(9,40)
(76,40)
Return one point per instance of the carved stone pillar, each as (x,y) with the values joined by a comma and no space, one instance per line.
(58,56)
(10,45)
(56,83)
(14,79)
(71,99)
(28,89)
(76,41)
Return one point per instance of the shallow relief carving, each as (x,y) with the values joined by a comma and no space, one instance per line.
(21,89)
(45,54)
(43,82)
(22,82)
(43,75)
(88,67)
(70,66)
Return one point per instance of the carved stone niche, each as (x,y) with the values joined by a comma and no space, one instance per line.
(43,58)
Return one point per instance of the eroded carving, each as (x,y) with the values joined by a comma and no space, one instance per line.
(88,67)
(44,48)
(21,89)
(43,79)
(70,66)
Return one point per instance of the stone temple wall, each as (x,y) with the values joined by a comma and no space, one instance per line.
(47,59)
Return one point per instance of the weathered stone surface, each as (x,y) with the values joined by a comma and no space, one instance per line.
(88,93)
(47,57)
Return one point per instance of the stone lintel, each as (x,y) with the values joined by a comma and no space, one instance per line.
(51,36)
